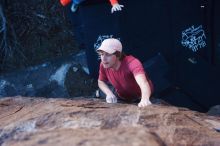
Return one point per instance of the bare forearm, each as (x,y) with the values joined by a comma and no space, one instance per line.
(144,86)
(145,90)
(104,87)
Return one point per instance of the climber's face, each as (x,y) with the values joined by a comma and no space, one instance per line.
(108,60)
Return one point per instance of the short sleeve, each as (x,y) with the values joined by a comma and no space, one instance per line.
(136,67)
(113,2)
(102,74)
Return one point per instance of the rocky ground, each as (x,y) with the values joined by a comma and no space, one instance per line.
(90,122)
(32,34)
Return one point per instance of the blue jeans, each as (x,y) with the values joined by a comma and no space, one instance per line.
(78,1)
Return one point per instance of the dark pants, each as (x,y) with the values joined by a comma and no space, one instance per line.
(78,1)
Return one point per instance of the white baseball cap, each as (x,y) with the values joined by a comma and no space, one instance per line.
(110,46)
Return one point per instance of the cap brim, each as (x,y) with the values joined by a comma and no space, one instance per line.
(106,50)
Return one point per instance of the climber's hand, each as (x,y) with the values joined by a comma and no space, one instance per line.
(116,7)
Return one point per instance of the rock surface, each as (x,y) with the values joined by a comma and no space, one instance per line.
(64,77)
(26,121)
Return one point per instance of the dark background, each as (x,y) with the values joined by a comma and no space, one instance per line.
(149,27)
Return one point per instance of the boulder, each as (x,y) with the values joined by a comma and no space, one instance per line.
(26,121)
(63,77)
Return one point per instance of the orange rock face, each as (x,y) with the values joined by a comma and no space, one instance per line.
(28,121)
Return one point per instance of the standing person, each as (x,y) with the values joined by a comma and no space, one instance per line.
(115,5)
(125,73)
(75,4)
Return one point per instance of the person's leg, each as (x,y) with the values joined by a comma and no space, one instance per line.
(75,5)
(78,1)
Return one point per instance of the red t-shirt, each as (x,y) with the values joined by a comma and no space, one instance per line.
(123,79)
(113,2)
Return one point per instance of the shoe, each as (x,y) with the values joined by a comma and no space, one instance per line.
(74,7)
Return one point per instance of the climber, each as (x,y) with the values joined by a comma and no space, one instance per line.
(125,73)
